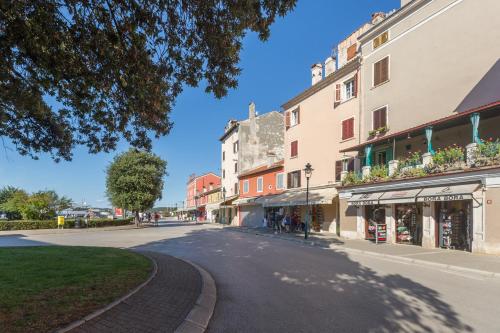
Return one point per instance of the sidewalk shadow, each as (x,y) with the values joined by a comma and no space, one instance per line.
(338,289)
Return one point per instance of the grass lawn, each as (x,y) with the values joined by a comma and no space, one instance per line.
(42,288)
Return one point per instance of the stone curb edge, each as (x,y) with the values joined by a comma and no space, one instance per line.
(484,273)
(198,318)
(115,303)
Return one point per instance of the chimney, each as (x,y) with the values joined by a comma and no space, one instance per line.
(405,2)
(378,16)
(330,65)
(251,110)
(316,73)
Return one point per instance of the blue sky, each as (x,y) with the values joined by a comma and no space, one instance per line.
(273,72)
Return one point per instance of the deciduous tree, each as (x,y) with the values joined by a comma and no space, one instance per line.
(76,72)
(135,180)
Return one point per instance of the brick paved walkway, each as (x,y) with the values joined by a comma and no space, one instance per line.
(160,306)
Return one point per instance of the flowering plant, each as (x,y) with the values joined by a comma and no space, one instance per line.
(449,155)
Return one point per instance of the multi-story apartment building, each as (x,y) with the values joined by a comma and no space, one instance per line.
(319,122)
(229,171)
(430,96)
(197,188)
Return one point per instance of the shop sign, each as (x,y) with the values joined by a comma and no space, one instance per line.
(363,203)
(381,233)
(449,197)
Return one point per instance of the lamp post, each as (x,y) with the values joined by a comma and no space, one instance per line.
(308,171)
(223,216)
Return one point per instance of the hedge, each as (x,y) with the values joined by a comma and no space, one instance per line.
(52,224)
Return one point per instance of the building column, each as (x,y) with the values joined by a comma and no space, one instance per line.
(478,227)
(428,136)
(428,239)
(474,118)
(360,222)
(390,223)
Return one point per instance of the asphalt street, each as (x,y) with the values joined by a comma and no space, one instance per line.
(273,285)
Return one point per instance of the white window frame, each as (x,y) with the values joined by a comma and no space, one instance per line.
(282,175)
(294,115)
(388,71)
(353,128)
(246,186)
(386,116)
(344,89)
(261,179)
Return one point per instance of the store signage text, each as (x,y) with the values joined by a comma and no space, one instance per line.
(449,197)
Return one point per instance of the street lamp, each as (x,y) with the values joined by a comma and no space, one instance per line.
(223,202)
(308,171)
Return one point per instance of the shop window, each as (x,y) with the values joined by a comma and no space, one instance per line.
(381,71)
(409,222)
(375,214)
(455,225)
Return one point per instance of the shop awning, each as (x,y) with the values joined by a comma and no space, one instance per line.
(399,196)
(245,201)
(447,193)
(319,196)
(213,206)
(228,201)
(363,199)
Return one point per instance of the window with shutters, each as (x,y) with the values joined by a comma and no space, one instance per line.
(260,184)
(294,117)
(349,89)
(294,148)
(235,147)
(223,155)
(223,173)
(236,188)
(293,179)
(235,167)
(381,71)
(380,39)
(351,52)
(348,128)
(380,118)
(338,170)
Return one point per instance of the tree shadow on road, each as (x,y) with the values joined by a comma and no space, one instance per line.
(319,290)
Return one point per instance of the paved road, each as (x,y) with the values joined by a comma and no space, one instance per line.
(272,285)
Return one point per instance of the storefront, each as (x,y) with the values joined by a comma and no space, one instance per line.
(453,207)
(293,204)
(409,224)
(373,212)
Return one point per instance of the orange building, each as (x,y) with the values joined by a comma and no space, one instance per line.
(255,185)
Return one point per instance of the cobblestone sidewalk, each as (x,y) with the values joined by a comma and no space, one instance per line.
(160,306)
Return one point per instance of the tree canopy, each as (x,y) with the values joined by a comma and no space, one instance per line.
(135,180)
(88,73)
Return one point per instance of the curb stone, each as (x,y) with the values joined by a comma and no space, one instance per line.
(108,307)
(447,267)
(198,318)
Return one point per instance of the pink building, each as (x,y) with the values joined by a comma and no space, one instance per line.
(196,187)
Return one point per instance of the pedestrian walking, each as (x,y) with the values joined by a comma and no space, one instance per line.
(156,218)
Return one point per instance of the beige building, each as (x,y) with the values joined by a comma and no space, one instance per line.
(430,99)
(318,123)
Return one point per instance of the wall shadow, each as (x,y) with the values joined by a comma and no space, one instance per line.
(317,290)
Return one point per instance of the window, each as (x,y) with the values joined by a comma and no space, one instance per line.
(236,188)
(235,167)
(381,71)
(349,89)
(293,179)
(380,39)
(348,128)
(294,117)
(343,165)
(294,148)
(351,52)
(260,184)
(280,183)
(223,173)
(223,155)
(380,118)
(235,147)
(245,186)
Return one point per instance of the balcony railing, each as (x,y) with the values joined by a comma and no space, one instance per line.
(452,158)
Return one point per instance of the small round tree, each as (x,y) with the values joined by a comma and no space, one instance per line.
(135,180)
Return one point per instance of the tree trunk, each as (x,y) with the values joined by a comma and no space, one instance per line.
(137,221)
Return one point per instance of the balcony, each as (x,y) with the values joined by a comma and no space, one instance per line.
(431,149)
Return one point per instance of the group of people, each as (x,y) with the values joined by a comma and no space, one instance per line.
(148,216)
(284,222)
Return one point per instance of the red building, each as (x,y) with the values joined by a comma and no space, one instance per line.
(196,187)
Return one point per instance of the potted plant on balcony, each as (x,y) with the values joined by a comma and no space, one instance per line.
(488,153)
(448,159)
(379,131)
